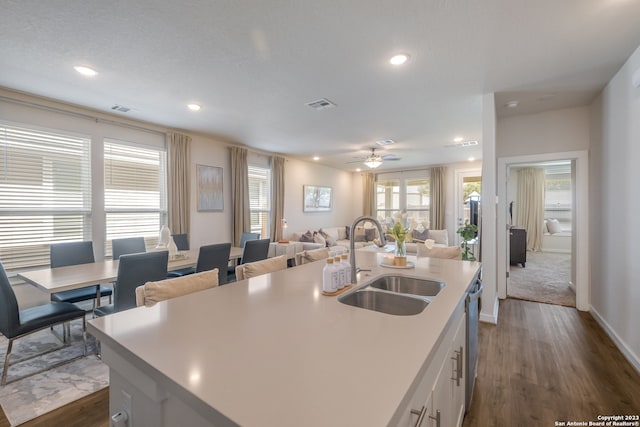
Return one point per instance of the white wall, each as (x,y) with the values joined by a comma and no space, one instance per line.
(549,132)
(615,159)
(344,210)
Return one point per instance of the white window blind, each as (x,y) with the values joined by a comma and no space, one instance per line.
(260,200)
(45,193)
(135,191)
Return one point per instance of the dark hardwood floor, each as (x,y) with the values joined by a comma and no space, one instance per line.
(542,363)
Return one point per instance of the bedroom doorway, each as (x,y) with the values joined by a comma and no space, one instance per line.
(546,191)
(580,221)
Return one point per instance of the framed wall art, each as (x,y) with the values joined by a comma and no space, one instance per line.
(210,188)
(316,198)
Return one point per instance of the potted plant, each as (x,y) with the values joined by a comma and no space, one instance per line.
(467,232)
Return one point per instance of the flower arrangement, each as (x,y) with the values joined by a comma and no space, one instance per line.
(400,233)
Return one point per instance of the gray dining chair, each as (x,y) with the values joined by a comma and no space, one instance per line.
(127,245)
(75,253)
(254,250)
(182,243)
(135,270)
(16,323)
(214,256)
(246,236)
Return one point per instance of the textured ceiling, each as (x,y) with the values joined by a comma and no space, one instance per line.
(254,65)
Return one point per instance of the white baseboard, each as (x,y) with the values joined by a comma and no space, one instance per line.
(626,351)
(492,317)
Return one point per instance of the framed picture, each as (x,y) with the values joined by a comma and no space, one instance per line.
(317,199)
(209,188)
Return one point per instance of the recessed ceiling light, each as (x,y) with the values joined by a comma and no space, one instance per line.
(358,169)
(458,139)
(85,71)
(193,107)
(471,159)
(511,104)
(399,59)
(316,158)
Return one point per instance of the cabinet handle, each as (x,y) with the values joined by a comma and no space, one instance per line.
(458,368)
(421,413)
(437,418)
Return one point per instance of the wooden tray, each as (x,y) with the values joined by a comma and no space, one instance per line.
(338,292)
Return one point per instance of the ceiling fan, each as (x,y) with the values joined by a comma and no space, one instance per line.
(374,160)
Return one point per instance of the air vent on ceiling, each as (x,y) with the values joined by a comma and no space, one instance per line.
(121,108)
(462,144)
(384,142)
(320,104)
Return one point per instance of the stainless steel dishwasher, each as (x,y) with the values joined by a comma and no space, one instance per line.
(472,306)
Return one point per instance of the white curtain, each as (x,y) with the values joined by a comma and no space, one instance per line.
(277,197)
(240,193)
(530,205)
(368,194)
(438,195)
(179,182)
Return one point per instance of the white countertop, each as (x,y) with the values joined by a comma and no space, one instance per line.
(273,351)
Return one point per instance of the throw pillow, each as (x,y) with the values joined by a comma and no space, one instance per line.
(331,241)
(154,292)
(370,234)
(440,236)
(347,232)
(317,238)
(253,269)
(359,235)
(315,255)
(451,252)
(553,225)
(307,237)
(420,235)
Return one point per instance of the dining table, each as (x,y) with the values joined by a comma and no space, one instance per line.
(59,279)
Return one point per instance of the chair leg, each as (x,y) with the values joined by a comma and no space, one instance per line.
(6,362)
(84,335)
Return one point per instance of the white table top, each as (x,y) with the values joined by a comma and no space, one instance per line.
(273,351)
(78,276)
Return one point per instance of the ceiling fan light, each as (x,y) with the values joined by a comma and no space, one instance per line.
(373,162)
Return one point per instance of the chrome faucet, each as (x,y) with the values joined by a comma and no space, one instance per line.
(352,245)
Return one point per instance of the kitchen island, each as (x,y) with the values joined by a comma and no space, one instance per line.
(273,351)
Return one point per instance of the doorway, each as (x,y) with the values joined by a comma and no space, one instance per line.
(536,192)
(580,222)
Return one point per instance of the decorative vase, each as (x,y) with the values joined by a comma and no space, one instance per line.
(165,236)
(172,248)
(400,253)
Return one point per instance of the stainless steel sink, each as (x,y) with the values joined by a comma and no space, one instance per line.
(408,285)
(384,302)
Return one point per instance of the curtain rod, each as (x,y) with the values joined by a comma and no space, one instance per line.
(80,115)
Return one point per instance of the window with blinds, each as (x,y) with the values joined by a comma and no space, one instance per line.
(45,193)
(260,200)
(410,196)
(135,191)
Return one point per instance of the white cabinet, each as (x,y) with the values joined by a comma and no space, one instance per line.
(438,400)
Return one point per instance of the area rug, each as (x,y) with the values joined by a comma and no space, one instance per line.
(38,394)
(545,279)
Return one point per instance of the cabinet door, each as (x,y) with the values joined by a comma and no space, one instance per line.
(440,415)
(458,354)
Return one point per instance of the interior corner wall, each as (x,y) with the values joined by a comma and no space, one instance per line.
(210,227)
(615,206)
(343,211)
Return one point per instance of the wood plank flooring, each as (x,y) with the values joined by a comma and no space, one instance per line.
(542,363)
